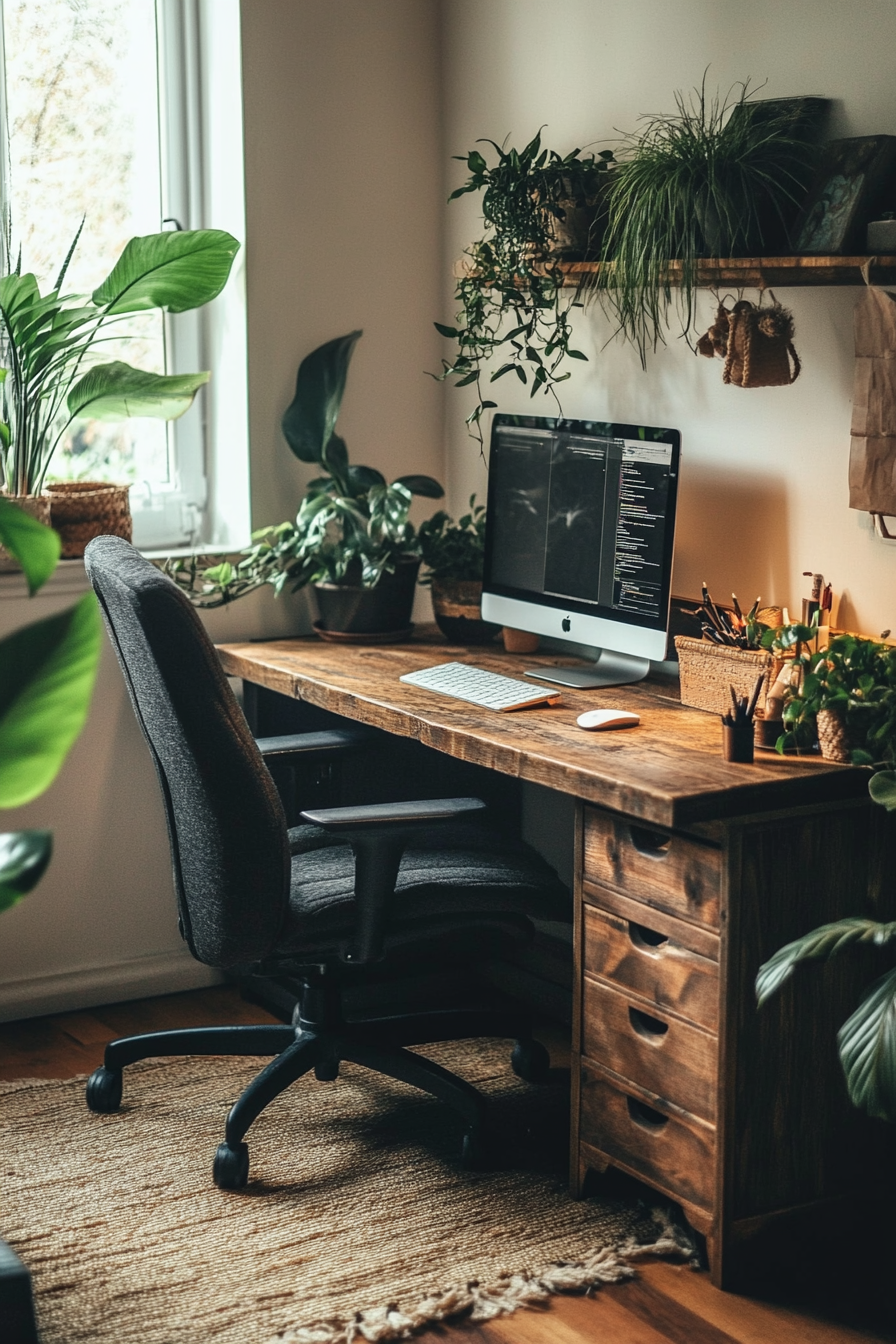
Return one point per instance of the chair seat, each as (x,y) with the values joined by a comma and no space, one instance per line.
(452,876)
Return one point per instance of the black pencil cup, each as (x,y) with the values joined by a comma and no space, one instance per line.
(737,742)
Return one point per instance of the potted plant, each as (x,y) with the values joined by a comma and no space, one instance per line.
(351,539)
(539,208)
(453,554)
(51,375)
(844,694)
(717,178)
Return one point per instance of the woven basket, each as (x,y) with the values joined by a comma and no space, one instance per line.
(82,510)
(709,670)
(833,736)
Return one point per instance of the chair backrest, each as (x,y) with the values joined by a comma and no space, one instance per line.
(229,843)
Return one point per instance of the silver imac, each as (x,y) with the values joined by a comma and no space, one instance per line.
(579,539)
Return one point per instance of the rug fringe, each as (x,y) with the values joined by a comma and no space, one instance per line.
(483,1302)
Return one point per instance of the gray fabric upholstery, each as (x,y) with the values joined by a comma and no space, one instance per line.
(248,890)
(229,845)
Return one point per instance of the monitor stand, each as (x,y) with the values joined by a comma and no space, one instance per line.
(609,669)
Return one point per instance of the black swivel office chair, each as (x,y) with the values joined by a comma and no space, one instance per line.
(351,887)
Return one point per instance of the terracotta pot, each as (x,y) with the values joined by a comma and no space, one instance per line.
(82,510)
(352,609)
(456,605)
(519,641)
(37,506)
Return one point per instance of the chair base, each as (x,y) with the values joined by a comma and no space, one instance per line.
(320,1040)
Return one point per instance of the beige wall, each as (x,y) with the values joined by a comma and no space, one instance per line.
(764,492)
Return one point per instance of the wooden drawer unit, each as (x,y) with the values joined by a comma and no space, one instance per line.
(673,872)
(653,955)
(668,1057)
(670,1151)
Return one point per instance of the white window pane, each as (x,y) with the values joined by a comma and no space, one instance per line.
(82,107)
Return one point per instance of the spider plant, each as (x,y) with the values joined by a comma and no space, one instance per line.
(713,179)
(50,375)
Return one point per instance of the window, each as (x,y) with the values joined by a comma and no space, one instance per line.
(117,111)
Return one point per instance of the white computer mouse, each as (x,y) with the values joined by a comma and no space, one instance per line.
(598,719)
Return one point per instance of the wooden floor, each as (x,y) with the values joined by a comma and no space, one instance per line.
(830,1295)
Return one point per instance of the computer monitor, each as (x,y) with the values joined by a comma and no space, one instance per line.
(579,534)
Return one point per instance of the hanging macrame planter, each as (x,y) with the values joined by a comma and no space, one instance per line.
(756,343)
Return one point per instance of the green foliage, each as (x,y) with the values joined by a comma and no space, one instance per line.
(454,550)
(853,676)
(48,344)
(47,671)
(511,300)
(706,180)
(24,856)
(351,526)
(36,547)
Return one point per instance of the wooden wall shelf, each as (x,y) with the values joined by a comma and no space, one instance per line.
(758,272)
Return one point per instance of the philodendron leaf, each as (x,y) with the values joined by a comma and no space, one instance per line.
(422,485)
(867,1042)
(175,271)
(33,544)
(882,788)
(116,391)
(24,856)
(47,671)
(310,419)
(819,945)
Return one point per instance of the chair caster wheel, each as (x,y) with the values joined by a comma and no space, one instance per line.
(474,1154)
(231,1169)
(104,1090)
(327,1070)
(530,1061)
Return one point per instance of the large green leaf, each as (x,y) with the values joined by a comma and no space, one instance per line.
(47,671)
(24,856)
(116,391)
(175,271)
(309,420)
(882,788)
(422,485)
(819,945)
(867,1042)
(33,544)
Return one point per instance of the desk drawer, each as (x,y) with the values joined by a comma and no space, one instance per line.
(674,872)
(655,1050)
(666,1150)
(650,956)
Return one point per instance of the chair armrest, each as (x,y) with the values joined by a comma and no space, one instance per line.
(392,815)
(378,834)
(326,743)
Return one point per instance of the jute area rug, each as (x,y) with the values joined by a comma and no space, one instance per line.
(357,1223)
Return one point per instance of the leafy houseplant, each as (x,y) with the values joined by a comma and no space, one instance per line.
(351,537)
(47,671)
(714,179)
(844,693)
(453,554)
(510,298)
(47,346)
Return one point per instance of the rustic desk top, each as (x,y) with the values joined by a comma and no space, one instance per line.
(668,770)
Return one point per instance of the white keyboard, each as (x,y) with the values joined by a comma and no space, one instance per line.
(478,687)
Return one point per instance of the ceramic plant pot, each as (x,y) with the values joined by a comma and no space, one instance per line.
(37,506)
(457,607)
(349,609)
(82,510)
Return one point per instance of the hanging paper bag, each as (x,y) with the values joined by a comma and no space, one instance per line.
(872,452)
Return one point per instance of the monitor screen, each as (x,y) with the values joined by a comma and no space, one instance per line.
(580,525)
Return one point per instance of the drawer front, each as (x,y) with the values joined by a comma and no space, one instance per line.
(676,873)
(666,1056)
(661,1149)
(655,963)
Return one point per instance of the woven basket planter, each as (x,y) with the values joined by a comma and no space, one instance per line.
(36,506)
(709,670)
(82,510)
(833,736)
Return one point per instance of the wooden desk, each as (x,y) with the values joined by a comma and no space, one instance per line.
(689,872)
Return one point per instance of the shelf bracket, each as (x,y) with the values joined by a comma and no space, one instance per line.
(881,529)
